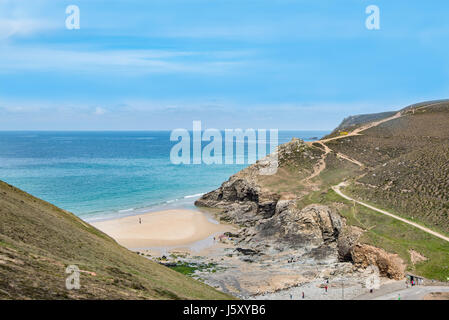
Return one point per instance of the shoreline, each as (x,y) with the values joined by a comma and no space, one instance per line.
(183,203)
(159,230)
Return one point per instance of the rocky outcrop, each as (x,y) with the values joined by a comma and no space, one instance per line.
(348,238)
(390,265)
(234,190)
(362,255)
(273,225)
(313,225)
(242,198)
(242,201)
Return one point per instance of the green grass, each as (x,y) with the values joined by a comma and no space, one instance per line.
(377,148)
(390,234)
(287,179)
(336,171)
(356,193)
(190,268)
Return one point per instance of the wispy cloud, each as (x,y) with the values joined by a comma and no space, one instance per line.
(99,111)
(128,62)
(230,62)
(22,27)
(24,18)
(165,114)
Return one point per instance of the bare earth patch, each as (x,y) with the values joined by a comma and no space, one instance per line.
(437,296)
(416,257)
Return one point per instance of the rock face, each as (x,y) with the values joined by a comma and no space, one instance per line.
(348,238)
(315,232)
(272,224)
(314,225)
(390,265)
(241,201)
(242,198)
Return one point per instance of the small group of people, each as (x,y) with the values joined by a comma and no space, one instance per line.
(416,282)
(302,295)
(221,238)
(413,282)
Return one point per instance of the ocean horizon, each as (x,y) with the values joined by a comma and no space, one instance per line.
(101,175)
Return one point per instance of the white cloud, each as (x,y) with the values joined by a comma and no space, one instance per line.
(22,27)
(128,62)
(99,111)
(161,115)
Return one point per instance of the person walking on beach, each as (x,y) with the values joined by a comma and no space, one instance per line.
(303,295)
(140,221)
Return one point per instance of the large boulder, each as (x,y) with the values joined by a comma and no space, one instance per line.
(390,265)
(233,190)
(241,201)
(347,239)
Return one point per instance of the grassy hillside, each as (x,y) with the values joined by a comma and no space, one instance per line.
(352,122)
(390,234)
(38,241)
(406,171)
(407,162)
(400,165)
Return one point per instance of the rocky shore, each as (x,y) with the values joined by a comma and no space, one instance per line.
(279,244)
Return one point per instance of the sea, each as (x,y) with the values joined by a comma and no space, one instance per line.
(101,175)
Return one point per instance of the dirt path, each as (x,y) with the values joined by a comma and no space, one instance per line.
(427,106)
(429,231)
(341,155)
(362,128)
(321,165)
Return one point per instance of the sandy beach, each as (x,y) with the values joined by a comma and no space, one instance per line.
(169,228)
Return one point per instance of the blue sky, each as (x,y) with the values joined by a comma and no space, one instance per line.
(160,64)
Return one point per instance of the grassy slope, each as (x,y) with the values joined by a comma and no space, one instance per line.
(391,143)
(390,234)
(408,163)
(38,241)
(382,231)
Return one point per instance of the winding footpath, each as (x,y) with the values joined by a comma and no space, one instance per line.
(322,165)
(343,184)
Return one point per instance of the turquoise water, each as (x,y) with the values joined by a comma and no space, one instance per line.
(106,174)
